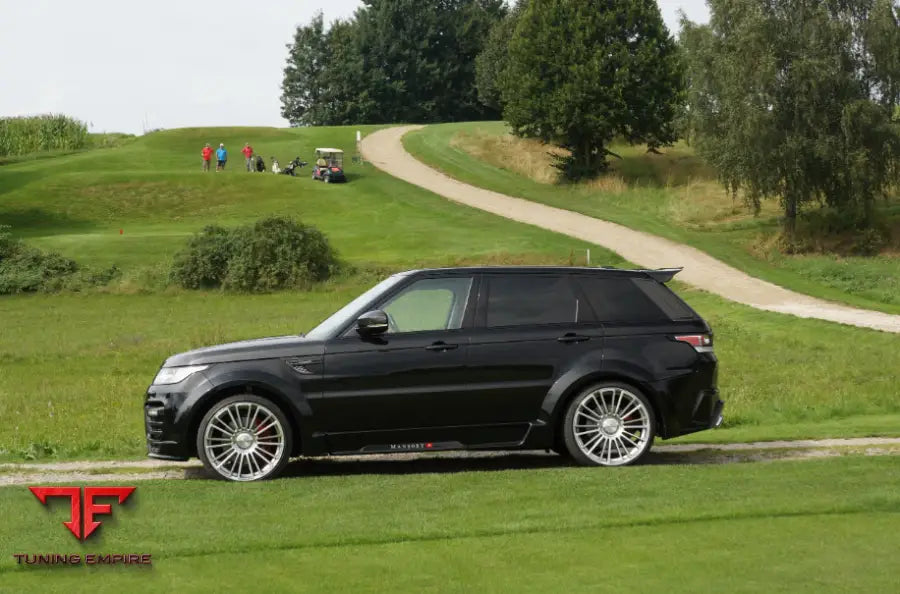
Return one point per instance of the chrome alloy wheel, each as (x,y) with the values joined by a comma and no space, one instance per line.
(611,426)
(244,441)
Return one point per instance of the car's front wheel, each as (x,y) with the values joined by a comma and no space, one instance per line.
(244,438)
(609,424)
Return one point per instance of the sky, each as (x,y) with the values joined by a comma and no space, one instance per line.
(125,66)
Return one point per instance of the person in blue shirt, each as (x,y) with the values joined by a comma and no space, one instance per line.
(221,157)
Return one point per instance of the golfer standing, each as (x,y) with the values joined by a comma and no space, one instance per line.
(221,157)
(248,156)
(206,153)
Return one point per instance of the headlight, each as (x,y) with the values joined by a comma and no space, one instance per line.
(173,375)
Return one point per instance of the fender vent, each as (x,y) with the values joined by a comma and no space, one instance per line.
(304,366)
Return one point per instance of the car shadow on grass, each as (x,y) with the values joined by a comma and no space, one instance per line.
(454,462)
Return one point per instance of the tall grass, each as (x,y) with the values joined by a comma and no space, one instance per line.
(48,132)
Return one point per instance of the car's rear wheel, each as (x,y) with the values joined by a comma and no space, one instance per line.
(244,438)
(609,424)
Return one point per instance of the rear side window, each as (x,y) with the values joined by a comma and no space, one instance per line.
(519,300)
(626,299)
(669,302)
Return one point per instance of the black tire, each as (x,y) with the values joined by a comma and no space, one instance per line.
(257,451)
(610,434)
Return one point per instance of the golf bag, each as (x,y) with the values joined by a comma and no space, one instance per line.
(295,164)
(260,164)
(275,167)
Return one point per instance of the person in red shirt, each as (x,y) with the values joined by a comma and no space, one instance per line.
(248,156)
(207,155)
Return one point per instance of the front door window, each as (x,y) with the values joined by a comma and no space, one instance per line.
(428,305)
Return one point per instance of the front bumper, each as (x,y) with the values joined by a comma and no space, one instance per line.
(166,421)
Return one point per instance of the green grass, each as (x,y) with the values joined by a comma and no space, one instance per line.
(66,357)
(673,196)
(810,526)
(74,367)
(152,191)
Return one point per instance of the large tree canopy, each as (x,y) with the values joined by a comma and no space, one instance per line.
(491,64)
(395,60)
(304,79)
(793,99)
(581,72)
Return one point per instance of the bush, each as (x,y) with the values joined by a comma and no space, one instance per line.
(109,139)
(274,253)
(24,269)
(204,262)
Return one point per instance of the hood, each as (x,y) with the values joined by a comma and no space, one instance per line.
(246,350)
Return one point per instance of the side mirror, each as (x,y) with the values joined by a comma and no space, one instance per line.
(372,323)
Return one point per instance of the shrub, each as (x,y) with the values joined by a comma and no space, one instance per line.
(109,139)
(870,241)
(274,253)
(24,269)
(204,262)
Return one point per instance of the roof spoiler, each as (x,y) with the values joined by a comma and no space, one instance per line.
(662,275)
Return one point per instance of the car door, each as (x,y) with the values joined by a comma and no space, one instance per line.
(530,328)
(398,386)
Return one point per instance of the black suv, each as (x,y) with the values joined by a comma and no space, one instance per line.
(590,361)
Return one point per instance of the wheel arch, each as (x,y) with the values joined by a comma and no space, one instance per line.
(222,392)
(573,389)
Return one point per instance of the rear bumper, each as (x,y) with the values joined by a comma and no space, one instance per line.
(706,414)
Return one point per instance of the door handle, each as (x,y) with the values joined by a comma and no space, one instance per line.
(441,346)
(572,337)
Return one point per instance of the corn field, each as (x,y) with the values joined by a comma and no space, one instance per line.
(32,134)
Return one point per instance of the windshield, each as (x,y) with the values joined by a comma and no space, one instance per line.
(333,323)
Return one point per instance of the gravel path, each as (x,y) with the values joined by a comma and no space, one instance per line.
(134,470)
(384,149)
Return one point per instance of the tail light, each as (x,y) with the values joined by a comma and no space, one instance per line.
(702,343)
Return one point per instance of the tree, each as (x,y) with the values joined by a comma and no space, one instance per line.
(304,75)
(581,72)
(394,61)
(793,99)
(344,99)
(492,62)
(418,58)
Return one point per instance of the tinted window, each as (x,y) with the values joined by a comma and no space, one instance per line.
(518,300)
(620,300)
(429,304)
(669,302)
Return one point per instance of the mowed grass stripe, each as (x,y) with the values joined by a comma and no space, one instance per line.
(370,508)
(759,526)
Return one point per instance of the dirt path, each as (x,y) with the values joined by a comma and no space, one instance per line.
(136,470)
(385,150)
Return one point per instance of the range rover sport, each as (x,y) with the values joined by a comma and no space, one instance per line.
(592,362)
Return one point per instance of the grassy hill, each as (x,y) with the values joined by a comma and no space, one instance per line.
(75,366)
(152,190)
(673,195)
